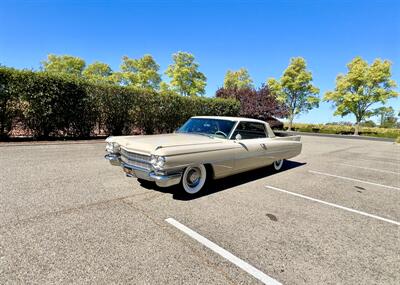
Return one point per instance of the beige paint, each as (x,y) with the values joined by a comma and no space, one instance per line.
(226,156)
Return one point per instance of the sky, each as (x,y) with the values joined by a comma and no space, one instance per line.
(261,36)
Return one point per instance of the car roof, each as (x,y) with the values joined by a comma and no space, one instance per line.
(231,118)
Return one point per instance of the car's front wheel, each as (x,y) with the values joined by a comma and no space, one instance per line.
(194,178)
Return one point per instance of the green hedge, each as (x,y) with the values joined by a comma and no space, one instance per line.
(345,130)
(55,105)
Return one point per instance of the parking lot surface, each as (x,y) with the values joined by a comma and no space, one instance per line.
(331,216)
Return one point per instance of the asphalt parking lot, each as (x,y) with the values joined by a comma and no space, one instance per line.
(332,216)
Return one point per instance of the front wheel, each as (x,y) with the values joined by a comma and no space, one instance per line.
(278,164)
(194,178)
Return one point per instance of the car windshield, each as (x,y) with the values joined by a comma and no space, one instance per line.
(211,127)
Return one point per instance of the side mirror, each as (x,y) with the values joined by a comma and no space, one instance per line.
(238,137)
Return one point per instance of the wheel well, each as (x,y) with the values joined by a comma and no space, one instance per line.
(209,169)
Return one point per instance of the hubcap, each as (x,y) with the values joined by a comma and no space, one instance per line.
(193,177)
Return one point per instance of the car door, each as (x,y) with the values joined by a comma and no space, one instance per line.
(252,138)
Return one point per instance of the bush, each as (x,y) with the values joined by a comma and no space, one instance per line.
(9,102)
(55,105)
(62,105)
(346,130)
(166,111)
(115,108)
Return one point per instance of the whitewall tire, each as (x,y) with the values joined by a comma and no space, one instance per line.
(194,178)
(278,164)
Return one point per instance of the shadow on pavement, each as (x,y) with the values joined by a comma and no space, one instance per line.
(224,183)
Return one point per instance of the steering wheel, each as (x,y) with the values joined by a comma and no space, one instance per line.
(222,133)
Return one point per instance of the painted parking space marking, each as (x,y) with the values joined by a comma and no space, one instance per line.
(334,205)
(353,179)
(224,253)
(369,168)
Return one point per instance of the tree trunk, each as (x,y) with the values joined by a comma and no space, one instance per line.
(356,127)
(290,123)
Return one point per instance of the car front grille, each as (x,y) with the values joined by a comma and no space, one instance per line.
(136,159)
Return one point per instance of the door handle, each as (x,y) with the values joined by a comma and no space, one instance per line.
(263,146)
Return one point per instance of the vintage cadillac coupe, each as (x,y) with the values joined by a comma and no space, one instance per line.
(204,148)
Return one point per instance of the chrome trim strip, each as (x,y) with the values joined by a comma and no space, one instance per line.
(234,129)
(201,151)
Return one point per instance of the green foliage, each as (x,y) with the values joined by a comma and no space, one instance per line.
(63,105)
(98,72)
(390,122)
(368,123)
(387,119)
(166,111)
(238,79)
(346,130)
(115,107)
(141,73)
(56,104)
(8,100)
(295,89)
(184,74)
(63,64)
(361,87)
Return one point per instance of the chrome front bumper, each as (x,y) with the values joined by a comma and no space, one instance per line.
(134,171)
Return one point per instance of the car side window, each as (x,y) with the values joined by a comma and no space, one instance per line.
(250,130)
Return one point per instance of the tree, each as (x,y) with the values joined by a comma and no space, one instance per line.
(295,89)
(141,72)
(387,117)
(184,74)
(390,122)
(257,104)
(383,113)
(362,86)
(238,79)
(98,72)
(63,64)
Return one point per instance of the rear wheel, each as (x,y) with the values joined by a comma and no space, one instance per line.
(194,178)
(278,164)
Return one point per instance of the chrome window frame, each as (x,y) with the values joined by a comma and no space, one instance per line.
(244,121)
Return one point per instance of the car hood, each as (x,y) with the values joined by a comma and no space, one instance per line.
(149,144)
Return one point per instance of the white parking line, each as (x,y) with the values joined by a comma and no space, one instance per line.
(226,254)
(353,179)
(335,205)
(369,168)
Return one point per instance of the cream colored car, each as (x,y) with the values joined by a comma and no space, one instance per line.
(203,148)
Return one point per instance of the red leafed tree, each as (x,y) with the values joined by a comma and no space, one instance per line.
(255,103)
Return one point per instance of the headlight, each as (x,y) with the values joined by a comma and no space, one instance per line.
(157,161)
(112,147)
(160,161)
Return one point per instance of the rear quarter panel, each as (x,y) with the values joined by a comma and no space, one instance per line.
(283,148)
